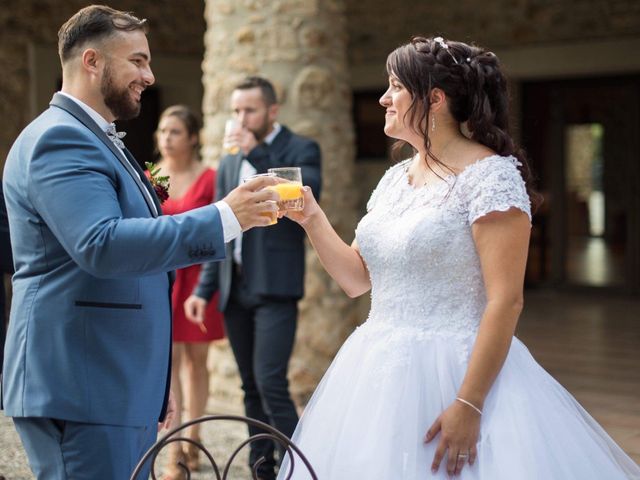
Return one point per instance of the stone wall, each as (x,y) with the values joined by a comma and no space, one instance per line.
(376,26)
(300,45)
(177,28)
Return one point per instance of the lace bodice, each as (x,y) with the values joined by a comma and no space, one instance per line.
(418,246)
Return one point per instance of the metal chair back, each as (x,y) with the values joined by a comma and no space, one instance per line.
(221,471)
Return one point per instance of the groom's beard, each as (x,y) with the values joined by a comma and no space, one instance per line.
(118,100)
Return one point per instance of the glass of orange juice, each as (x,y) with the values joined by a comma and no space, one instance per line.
(273,216)
(231,126)
(290,191)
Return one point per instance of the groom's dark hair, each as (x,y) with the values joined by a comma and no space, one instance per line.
(94,23)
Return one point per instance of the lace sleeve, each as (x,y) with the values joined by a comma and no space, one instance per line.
(495,184)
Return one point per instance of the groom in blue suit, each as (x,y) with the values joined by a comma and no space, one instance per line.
(86,373)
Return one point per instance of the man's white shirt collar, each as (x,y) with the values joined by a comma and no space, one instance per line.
(95,116)
(274,133)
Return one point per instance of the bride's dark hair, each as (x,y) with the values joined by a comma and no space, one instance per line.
(476,91)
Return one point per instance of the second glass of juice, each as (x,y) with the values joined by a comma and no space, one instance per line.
(290,191)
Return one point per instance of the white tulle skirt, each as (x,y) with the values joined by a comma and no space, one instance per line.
(369,415)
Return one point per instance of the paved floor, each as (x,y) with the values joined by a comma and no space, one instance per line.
(591,344)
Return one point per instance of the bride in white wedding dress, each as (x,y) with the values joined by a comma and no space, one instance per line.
(434,383)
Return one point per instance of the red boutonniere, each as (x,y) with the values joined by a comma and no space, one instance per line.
(160,184)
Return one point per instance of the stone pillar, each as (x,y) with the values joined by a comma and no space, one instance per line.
(300,45)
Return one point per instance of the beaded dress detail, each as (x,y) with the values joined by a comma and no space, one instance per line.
(403,366)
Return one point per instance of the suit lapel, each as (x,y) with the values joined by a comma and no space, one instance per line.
(280,142)
(74,109)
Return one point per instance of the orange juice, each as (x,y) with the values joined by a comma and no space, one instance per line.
(290,195)
(231,149)
(273,216)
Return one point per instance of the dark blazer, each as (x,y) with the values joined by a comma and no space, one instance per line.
(90,332)
(272,257)
(6,266)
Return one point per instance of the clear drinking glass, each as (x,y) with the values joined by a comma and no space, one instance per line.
(290,191)
(231,126)
(273,216)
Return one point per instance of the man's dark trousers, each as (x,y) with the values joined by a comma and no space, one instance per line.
(261,331)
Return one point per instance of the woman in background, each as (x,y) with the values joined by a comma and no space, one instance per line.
(191,186)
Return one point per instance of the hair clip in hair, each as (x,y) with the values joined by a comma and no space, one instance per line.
(440,41)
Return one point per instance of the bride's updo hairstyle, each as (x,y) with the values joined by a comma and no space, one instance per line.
(475,87)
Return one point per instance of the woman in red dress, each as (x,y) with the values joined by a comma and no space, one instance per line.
(191,186)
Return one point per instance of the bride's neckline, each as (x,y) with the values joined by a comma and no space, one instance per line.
(445,179)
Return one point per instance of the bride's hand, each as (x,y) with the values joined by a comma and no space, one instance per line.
(459,428)
(311,208)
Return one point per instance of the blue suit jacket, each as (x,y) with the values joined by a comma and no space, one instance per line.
(90,328)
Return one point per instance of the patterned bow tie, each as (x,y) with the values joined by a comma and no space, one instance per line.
(114,136)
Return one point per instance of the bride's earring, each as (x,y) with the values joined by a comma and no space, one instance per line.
(433,123)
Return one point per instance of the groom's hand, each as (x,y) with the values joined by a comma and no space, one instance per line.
(252,204)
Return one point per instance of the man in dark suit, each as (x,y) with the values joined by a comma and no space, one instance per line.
(6,266)
(87,358)
(262,278)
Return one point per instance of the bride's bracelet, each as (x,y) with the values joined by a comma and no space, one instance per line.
(462,400)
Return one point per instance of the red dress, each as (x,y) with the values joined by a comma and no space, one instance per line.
(199,194)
